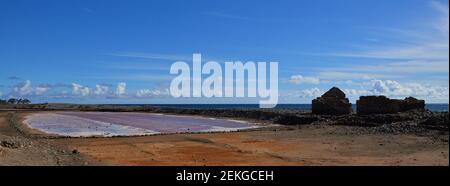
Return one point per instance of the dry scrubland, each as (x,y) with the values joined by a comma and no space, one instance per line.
(323,142)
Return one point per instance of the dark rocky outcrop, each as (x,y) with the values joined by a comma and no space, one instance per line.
(403,122)
(9,144)
(332,102)
(384,105)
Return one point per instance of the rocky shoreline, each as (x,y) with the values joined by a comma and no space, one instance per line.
(424,119)
(332,108)
(421,131)
(421,122)
(416,138)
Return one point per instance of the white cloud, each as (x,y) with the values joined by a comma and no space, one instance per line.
(23,89)
(147,93)
(307,93)
(80,90)
(389,88)
(121,88)
(165,57)
(41,90)
(26,89)
(422,48)
(354,93)
(339,74)
(443,22)
(406,67)
(425,42)
(101,89)
(430,51)
(299,79)
(394,89)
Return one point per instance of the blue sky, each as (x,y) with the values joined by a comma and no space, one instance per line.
(120,51)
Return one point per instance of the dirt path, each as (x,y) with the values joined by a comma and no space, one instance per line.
(300,145)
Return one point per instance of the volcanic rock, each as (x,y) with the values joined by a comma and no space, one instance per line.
(9,144)
(332,102)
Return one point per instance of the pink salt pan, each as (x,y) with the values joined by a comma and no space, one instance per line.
(85,124)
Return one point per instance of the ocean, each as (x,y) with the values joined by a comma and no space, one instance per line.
(432,107)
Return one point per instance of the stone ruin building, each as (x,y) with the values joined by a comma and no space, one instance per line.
(332,102)
(384,105)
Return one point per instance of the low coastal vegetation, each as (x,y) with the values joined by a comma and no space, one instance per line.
(15,101)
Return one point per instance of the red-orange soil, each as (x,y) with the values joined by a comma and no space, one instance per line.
(296,145)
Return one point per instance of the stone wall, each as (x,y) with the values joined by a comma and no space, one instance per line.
(411,103)
(384,105)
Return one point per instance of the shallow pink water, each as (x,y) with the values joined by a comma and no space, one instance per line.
(127,123)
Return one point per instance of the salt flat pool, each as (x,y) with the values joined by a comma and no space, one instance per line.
(84,124)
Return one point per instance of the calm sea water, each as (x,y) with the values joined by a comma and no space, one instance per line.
(432,107)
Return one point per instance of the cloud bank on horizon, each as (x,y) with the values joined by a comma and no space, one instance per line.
(86,52)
